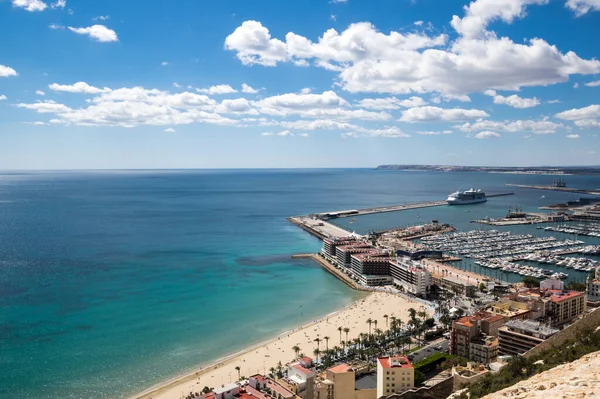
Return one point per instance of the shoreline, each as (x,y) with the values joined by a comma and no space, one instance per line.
(259,358)
(223,360)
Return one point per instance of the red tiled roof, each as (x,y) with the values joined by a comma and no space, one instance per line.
(386,362)
(306,359)
(301,369)
(258,377)
(495,318)
(559,296)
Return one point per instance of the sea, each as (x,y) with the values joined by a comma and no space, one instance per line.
(113,281)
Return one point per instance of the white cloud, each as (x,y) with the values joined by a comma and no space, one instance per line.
(350,135)
(332,17)
(418,23)
(46,107)
(101,18)
(573,136)
(248,89)
(218,89)
(593,84)
(305,90)
(391,103)
(170,130)
(99,32)
(164,63)
(285,133)
(479,13)
(554,102)
(486,135)
(292,102)
(40,93)
(3,97)
(581,7)
(59,4)
(236,106)
(338,1)
(513,101)
(79,87)
(576,85)
(55,27)
(7,71)
(30,5)
(435,133)
(533,126)
(177,85)
(589,112)
(588,123)
(436,114)
(371,61)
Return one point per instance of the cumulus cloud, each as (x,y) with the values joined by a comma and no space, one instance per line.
(164,63)
(436,114)
(46,107)
(30,5)
(581,7)
(101,18)
(593,84)
(513,100)
(56,27)
(7,71)
(589,112)
(59,4)
(532,126)
(40,93)
(434,133)
(79,87)
(367,60)
(218,89)
(572,136)
(285,133)
(170,130)
(391,103)
(98,32)
(3,97)
(486,135)
(248,89)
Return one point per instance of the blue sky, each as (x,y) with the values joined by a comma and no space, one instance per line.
(315,83)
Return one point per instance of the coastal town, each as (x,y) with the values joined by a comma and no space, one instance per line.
(426,329)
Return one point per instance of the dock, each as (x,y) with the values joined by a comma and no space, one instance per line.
(552,188)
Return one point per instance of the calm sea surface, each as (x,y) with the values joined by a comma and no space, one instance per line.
(111,282)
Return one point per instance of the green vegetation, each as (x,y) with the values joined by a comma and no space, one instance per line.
(575,286)
(431,362)
(521,368)
(531,282)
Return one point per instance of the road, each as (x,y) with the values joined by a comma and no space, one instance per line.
(430,350)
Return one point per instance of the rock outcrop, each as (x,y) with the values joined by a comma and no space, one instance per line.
(579,379)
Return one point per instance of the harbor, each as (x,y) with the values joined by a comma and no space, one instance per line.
(557,188)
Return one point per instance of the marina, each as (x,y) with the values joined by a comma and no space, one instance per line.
(581,229)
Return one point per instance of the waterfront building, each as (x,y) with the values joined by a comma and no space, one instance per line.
(565,306)
(279,391)
(593,287)
(330,245)
(470,336)
(518,336)
(394,374)
(454,284)
(339,382)
(510,309)
(257,381)
(300,380)
(227,391)
(552,284)
(411,275)
(345,252)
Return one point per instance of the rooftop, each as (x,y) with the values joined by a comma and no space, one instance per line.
(340,368)
(278,388)
(559,296)
(299,367)
(532,326)
(258,377)
(225,388)
(368,381)
(396,361)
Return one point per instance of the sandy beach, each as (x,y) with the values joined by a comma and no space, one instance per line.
(260,358)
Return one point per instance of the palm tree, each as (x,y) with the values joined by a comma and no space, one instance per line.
(272,370)
(346,330)
(316,352)
(318,341)
(369,321)
(326,342)
(386,320)
(238,370)
(340,330)
(375,322)
(296,350)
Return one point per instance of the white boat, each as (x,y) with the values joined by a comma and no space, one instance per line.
(471,196)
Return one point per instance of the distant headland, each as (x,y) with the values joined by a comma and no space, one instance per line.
(545,170)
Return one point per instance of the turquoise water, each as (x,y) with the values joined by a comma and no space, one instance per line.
(111,282)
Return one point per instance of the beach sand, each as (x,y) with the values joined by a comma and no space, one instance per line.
(260,358)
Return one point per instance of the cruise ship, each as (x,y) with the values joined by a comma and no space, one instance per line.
(471,196)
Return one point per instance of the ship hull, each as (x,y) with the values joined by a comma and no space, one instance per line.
(465,201)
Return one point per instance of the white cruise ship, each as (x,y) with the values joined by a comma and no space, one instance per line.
(471,196)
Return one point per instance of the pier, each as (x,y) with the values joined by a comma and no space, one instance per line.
(553,188)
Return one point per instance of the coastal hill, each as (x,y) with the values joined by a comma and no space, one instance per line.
(567,170)
(579,379)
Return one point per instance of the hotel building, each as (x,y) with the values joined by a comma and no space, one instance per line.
(411,275)
(394,375)
(472,336)
(518,336)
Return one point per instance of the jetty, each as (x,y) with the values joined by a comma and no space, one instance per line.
(556,188)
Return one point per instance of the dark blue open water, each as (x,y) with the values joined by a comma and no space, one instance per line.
(113,281)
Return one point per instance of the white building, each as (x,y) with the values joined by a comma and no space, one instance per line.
(411,275)
(593,286)
(226,391)
(394,374)
(552,284)
(302,378)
